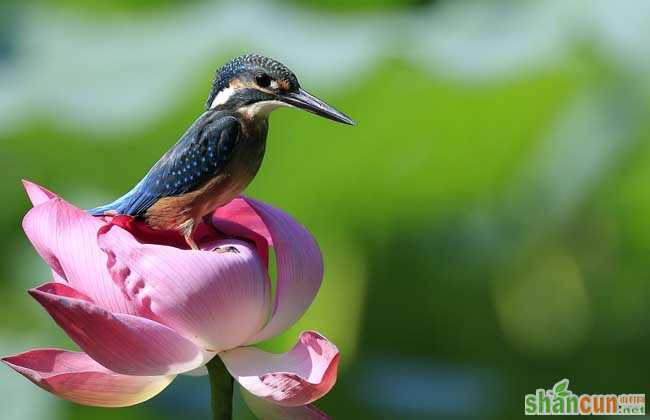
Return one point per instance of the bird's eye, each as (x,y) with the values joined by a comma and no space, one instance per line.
(263,80)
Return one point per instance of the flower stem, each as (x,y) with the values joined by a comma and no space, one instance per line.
(221,388)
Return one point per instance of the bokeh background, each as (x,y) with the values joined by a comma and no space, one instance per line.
(485,227)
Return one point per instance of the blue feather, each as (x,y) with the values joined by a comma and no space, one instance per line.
(201,154)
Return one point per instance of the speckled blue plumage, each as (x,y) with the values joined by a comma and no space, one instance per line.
(205,151)
(200,154)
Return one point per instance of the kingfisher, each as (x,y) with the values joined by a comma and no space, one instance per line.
(221,152)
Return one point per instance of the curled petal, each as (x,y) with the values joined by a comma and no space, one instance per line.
(62,289)
(36,193)
(123,343)
(238,219)
(299,268)
(267,410)
(295,378)
(217,299)
(66,238)
(240,213)
(76,377)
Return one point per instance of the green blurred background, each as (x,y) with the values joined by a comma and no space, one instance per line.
(485,226)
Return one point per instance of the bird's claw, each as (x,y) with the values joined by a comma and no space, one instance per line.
(227,248)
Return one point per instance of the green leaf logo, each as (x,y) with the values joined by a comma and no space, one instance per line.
(560,389)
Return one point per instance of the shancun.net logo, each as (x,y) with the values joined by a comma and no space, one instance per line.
(561,401)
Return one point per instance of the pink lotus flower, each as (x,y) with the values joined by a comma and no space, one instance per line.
(143,310)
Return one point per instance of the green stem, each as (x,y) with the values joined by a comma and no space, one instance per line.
(221,387)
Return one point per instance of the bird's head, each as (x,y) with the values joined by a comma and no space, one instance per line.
(255,85)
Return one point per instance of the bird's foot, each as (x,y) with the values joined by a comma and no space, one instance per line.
(191,243)
(226,248)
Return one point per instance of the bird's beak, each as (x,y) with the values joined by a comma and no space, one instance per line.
(305,100)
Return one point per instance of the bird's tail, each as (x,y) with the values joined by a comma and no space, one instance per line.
(116,207)
(119,206)
(113,207)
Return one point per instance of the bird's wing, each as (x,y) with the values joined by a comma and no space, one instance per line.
(198,156)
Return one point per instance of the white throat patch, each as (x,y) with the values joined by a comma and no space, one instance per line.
(261,109)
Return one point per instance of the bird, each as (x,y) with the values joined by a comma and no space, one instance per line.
(221,152)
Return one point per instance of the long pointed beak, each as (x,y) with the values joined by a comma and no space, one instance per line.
(305,100)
